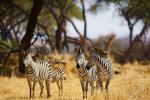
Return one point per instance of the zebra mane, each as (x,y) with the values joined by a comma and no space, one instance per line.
(100,52)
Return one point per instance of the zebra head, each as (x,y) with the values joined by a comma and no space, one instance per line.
(95,56)
(91,62)
(79,57)
(27,59)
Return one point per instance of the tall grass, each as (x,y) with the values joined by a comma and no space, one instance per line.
(133,83)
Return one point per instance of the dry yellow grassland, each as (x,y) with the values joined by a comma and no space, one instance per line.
(132,84)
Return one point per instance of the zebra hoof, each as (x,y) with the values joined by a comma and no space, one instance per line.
(84,97)
(48,96)
(40,96)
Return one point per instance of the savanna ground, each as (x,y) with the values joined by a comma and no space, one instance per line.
(133,83)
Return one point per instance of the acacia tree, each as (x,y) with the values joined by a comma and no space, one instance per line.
(133,12)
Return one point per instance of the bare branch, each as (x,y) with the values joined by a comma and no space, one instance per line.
(51,10)
(74,26)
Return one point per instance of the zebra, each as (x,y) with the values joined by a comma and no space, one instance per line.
(85,76)
(40,71)
(32,81)
(57,75)
(104,67)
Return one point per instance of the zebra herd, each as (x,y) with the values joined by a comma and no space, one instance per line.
(94,71)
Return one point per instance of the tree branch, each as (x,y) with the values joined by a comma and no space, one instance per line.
(74,26)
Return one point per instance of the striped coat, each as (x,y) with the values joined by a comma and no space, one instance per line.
(41,70)
(104,67)
(85,76)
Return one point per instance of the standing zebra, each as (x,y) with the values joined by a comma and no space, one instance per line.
(104,67)
(40,71)
(85,76)
(32,81)
(58,76)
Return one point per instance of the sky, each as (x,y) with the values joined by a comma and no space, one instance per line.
(103,23)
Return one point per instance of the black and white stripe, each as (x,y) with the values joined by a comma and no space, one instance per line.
(104,66)
(85,76)
(30,75)
(41,70)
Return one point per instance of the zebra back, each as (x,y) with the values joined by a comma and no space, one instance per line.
(104,64)
(100,52)
(60,72)
(45,65)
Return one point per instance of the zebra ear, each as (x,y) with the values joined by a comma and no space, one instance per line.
(23,52)
(27,51)
(76,50)
(82,49)
(91,51)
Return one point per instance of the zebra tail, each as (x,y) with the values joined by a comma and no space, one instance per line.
(63,78)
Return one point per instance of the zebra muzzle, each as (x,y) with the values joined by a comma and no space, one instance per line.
(88,67)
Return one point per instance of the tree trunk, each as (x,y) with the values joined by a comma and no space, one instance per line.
(58,37)
(131,35)
(25,43)
(85,25)
(139,36)
(65,43)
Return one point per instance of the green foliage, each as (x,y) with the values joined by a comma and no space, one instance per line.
(75,12)
(98,5)
(136,9)
(26,5)
(6,45)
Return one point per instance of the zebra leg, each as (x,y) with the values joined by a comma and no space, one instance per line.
(34,83)
(47,87)
(92,87)
(30,88)
(107,84)
(42,87)
(86,88)
(58,85)
(61,87)
(99,84)
(82,85)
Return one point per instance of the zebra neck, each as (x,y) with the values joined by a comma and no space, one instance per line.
(29,70)
(82,71)
(100,61)
(34,65)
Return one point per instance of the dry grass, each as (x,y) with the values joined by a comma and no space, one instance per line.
(132,84)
